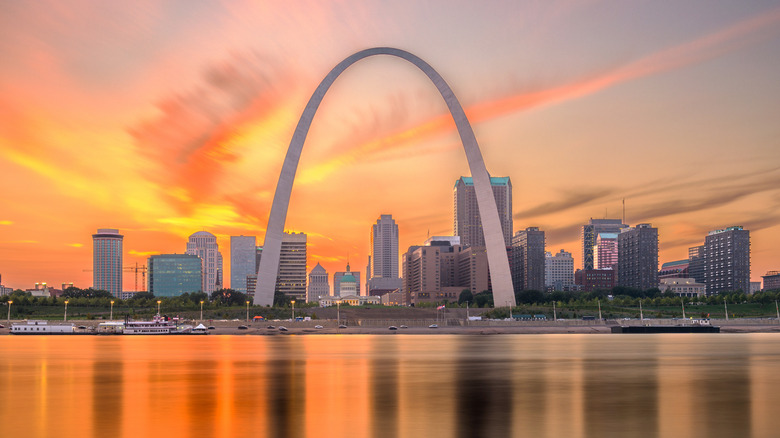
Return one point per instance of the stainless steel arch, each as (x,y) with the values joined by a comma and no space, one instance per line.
(503,292)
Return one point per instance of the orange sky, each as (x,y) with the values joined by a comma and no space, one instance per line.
(164,120)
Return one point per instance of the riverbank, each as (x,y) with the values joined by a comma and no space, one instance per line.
(421,327)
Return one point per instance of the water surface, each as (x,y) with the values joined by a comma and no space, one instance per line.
(720,385)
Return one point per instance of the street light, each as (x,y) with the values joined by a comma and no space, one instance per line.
(201,310)
(158,307)
(247,311)
(338,313)
(66,310)
(293,310)
(9,312)
(111,316)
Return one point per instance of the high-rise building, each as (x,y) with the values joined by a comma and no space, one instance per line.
(440,270)
(318,284)
(337,276)
(204,245)
(171,275)
(696,263)
(291,279)
(291,275)
(558,271)
(638,257)
(591,231)
(528,260)
(468,224)
(605,252)
(242,261)
(771,280)
(727,260)
(107,260)
(383,262)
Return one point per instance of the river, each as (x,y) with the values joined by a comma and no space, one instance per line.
(675,385)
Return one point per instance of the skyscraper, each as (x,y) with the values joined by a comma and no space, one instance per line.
(107,260)
(318,284)
(204,245)
(559,271)
(696,263)
(727,260)
(291,279)
(171,275)
(591,231)
(605,252)
(242,261)
(638,257)
(528,259)
(467,223)
(383,262)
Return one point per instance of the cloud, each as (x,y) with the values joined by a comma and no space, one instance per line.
(75,245)
(699,50)
(189,144)
(143,253)
(570,200)
(6,222)
(706,194)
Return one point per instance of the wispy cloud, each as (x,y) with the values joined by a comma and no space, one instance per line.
(569,200)
(707,47)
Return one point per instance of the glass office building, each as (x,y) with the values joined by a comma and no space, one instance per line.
(171,275)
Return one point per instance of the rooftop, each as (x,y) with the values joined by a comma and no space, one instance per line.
(494,181)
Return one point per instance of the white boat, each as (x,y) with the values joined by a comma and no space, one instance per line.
(157,326)
(33,327)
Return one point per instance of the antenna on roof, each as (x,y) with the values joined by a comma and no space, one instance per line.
(624,210)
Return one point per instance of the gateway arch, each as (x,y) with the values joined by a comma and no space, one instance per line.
(501,279)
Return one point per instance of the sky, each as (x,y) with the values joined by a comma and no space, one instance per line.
(166,118)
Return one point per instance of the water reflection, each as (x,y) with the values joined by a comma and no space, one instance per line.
(483,393)
(391,386)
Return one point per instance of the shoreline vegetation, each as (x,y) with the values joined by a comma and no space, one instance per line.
(536,312)
(450,327)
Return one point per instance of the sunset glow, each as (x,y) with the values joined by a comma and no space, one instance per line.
(161,120)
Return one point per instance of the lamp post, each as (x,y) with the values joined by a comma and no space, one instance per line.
(111,315)
(158,307)
(201,310)
(727,308)
(293,310)
(9,312)
(66,310)
(247,311)
(338,313)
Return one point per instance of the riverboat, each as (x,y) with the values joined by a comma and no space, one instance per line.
(157,326)
(33,327)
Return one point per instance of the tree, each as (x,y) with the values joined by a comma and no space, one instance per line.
(228,297)
(280,299)
(483,299)
(74,292)
(465,297)
(530,296)
(142,295)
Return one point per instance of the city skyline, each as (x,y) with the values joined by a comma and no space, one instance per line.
(680,101)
